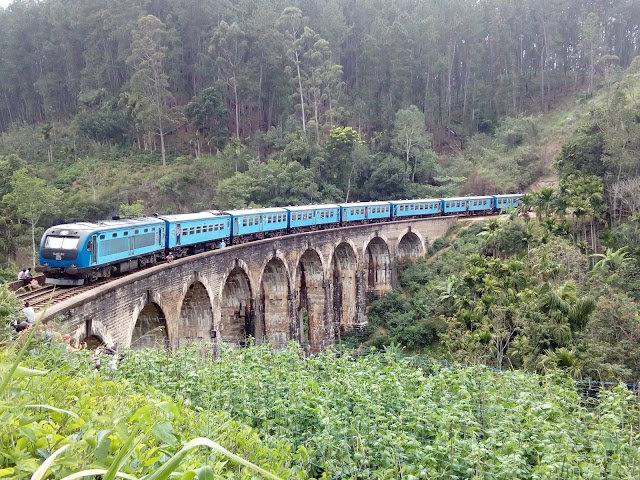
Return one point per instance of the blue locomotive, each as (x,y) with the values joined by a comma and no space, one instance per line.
(72,254)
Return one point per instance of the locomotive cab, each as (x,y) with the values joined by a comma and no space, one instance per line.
(61,251)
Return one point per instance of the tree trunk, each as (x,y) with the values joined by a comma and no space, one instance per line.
(304,120)
(235,97)
(164,155)
(33,244)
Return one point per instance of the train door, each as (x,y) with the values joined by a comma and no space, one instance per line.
(94,249)
(132,244)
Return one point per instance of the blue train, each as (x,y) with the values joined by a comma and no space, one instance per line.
(75,253)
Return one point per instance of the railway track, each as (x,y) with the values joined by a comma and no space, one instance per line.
(49,295)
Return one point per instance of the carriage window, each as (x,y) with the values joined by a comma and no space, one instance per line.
(136,232)
(101,237)
(126,233)
(192,230)
(199,230)
(244,221)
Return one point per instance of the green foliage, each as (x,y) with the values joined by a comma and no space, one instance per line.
(206,113)
(105,125)
(353,417)
(269,184)
(97,426)
(131,210)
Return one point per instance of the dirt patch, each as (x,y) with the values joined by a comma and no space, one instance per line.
(549,153)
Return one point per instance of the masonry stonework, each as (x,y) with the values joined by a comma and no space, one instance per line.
(308,287)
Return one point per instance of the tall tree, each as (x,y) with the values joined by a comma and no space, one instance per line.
(207,114)
(293,25)
(32,198)
(230,46)
(149,82)
(410,137)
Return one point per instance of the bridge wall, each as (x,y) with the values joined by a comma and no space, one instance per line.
(307,287)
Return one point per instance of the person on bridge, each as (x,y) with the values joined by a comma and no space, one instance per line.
(29,313)
(21,275)
(26,278)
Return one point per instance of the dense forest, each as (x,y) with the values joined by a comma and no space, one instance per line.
(463,63)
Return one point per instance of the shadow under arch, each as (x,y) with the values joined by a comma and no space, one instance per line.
(311,301)
(237,314)
(274,303)
(195,321)
(377,266)
(150,329)
(344,284)
(410,247)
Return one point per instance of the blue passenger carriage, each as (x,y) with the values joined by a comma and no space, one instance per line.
(468,205)
(416,208)
(364,212)
(505,202)
(74,252)
(195,232)
(257,223)
(312,217)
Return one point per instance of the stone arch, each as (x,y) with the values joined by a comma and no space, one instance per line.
(237,314)
(274,319)
(95,333)
(310,303)
(150,329)
(195,320)
(93,341)
(377,266)
(411,246)
(344,285)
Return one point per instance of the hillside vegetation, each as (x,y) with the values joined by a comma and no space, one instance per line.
(331,416)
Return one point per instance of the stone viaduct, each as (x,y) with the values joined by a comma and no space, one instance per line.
(307,287)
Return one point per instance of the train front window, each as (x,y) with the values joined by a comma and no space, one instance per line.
(62,243)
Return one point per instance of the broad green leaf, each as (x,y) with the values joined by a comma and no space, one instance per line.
(165,471)
(97,471)
(49,407)
(40,473)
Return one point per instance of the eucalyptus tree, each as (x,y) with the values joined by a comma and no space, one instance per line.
(149,84)
(591,33)
(293,25)
(207,114)
(410,137)
(230,46)
(31,198)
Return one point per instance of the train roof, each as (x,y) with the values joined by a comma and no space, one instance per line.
(474,197)
(419,200)
(255,211)
(297,208)
(185,217)
(108,224)
(362,204)
(508,195)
